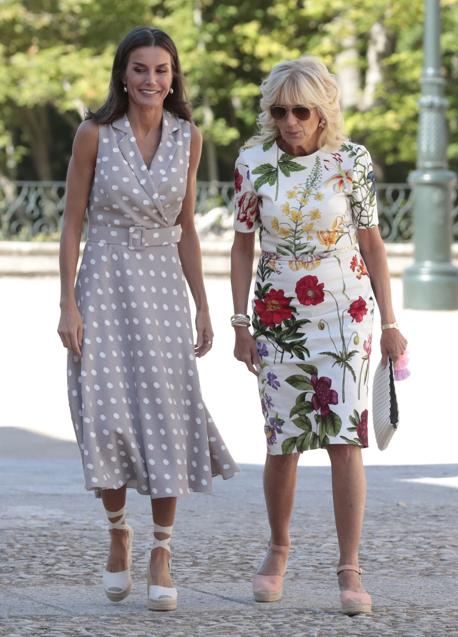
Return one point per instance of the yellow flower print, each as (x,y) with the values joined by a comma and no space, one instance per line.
(296,216)
(308,227)
(304,201)
(285,208)
(291,194)
(305,263)
(319,196)
(329,238)
(275,224)
(284,232)
(315,214)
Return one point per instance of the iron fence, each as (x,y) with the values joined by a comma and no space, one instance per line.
(33,209)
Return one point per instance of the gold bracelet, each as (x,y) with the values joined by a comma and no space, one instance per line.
(390,326)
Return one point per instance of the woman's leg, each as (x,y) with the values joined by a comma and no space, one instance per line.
(349,495)
(164,514)
(279,488)
(115,500)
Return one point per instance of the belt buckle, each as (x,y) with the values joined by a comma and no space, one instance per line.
(135,237)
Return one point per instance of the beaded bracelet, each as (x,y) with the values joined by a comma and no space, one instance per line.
(240,320)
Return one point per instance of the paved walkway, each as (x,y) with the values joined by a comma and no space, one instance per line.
(53,543)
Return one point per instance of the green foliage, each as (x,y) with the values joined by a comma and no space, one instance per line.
(56,56)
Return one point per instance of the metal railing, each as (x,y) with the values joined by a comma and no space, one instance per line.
(33,209)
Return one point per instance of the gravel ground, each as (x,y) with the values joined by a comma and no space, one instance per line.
(53,541)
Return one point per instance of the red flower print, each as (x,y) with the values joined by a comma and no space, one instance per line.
(359,267)
(358,309)
(247,208)
(238,180)
(324,395)
(361,429)
(309,291)
(273,308)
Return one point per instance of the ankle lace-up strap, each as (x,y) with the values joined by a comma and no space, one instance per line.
(119,524)
(349,567)
(164,544)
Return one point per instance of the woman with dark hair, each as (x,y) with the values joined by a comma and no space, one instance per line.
(134,392)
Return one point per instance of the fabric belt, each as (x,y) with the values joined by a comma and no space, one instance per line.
(307,258)
(135,237)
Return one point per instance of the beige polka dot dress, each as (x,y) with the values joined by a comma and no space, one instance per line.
(134,394)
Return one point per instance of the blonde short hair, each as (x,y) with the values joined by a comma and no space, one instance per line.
(305,81)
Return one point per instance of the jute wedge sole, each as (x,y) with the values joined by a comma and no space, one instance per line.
(118,585)
(269,588)
(161,598)
(354,603)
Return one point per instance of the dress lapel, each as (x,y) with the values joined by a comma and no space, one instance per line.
(160,169)
(152,181)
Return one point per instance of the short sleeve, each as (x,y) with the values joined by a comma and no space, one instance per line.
(363,197)
(246,200)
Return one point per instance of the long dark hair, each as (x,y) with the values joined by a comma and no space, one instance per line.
(117,102)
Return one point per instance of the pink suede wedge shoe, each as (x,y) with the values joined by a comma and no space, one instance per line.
(269,588)
(354,603)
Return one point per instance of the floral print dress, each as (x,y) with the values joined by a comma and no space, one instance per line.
(314,304)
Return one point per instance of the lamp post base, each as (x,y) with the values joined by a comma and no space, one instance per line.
(431,286)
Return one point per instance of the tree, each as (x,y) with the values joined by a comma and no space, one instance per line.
(56,57)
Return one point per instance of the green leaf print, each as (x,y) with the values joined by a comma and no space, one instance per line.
(331,424)
(315,441)
(268,175)
(308,369)
(303,423)
(299,382)
(289,445)
(301,408)
(303,442)
(287,165)
(356,442)
(268,145)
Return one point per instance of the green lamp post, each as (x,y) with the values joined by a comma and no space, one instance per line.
(431,283)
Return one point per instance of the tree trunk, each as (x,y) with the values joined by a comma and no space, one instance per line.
(210,148)
(38,136)
(347,70)
(376,51)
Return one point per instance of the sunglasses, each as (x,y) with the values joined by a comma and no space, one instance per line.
(301,112)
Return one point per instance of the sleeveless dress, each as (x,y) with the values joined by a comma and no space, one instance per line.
(134,394)
(313,306)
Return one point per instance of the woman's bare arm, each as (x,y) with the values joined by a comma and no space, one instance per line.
(242,255)
(79,181)
(372,248)
(189,250)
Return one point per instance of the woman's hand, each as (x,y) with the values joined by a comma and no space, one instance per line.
(392,345)
(245,349)
(70,328)
(204,333)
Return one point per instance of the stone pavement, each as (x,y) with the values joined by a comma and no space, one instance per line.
(53,543)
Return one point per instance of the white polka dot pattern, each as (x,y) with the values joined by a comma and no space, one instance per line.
(134,395)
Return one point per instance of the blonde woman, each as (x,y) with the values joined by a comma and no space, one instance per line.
(311,193)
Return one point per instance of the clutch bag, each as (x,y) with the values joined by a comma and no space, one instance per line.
(384,404)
